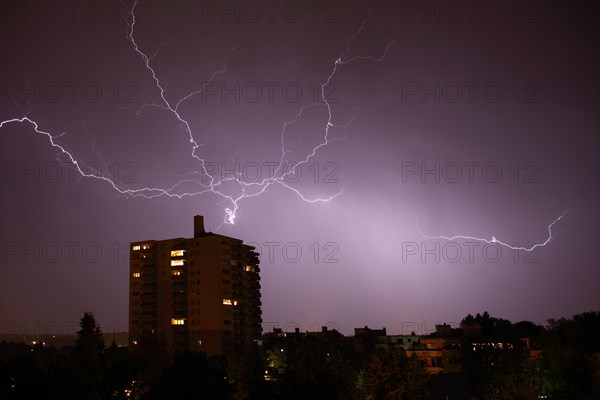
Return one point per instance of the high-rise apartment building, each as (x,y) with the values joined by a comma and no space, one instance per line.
(199,294)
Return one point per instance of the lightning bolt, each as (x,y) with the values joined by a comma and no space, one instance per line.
(494,240)
(248,189)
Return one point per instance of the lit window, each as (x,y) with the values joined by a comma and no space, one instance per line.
(227,302)
(177,253)
(136,274)
(249,268)
(177,321)
(176,263)
(175,273)
(235,302)
(136,247)
(145,246)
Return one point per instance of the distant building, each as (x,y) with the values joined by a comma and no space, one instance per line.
(323,333)
(441,352)
(199,294)
(366,339)
(405,342)
(368,332)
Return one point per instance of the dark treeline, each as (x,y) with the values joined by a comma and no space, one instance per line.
(327,366)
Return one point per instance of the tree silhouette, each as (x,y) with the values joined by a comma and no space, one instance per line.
(192,376)
(90,340)
(88,352)
(392,375)
(317,369)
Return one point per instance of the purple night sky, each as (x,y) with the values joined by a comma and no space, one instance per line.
(474,119)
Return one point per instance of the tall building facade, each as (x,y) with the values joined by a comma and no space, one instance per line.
(199,294)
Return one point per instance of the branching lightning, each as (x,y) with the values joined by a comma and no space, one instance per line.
(214,185)
(551,236)
(248,189)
